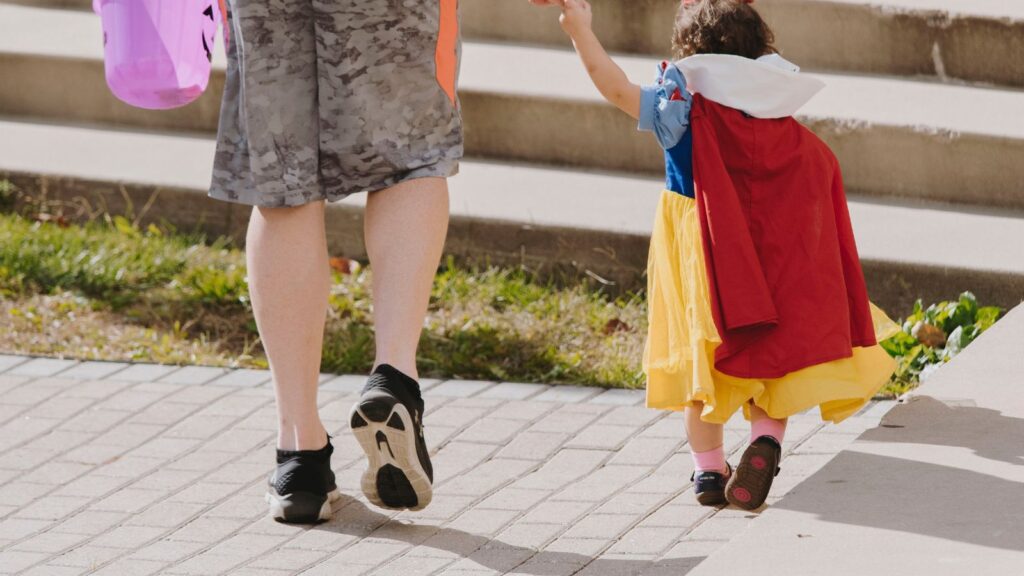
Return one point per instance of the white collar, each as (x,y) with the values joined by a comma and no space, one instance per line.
(769,87)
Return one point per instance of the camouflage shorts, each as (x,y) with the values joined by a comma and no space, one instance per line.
(326,98)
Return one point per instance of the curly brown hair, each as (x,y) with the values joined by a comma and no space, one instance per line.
(721,27)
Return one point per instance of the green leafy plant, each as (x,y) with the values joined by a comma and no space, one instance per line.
(932,336)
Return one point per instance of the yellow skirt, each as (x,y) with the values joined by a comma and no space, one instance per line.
(680,351)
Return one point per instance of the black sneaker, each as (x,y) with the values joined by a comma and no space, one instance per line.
(749,486)
(710,486)
(301,489)
(388,423)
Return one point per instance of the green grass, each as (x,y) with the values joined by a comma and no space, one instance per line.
(114,263)
(497,324)
(109,290)
(142,292)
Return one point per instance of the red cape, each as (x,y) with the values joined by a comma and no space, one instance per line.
(787,290)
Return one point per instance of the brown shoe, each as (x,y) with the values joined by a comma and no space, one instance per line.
(749,486)
(710,486)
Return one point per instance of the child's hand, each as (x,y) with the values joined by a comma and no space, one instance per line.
(576,17)
(609,78)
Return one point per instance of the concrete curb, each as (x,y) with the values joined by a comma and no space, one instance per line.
(933,489)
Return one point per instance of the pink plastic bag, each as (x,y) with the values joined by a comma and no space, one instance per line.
(158,53)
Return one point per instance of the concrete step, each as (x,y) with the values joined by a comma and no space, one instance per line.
(944,39)
(506,213)
(895,138)
(947,39)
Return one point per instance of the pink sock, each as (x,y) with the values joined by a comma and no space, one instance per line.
(710,461)
(768,427)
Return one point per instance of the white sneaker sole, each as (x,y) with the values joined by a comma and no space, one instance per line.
(282,510)
(392,463)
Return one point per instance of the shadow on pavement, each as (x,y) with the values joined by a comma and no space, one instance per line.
(353,518)
(925,420)
(960,497)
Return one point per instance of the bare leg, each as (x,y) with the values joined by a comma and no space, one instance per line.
(763,425)
(289,282)
(405,231)
(707,449)
(703,436)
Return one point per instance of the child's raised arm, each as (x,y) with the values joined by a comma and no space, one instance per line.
(610,80)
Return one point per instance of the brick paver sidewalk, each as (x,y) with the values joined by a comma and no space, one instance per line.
(144,469)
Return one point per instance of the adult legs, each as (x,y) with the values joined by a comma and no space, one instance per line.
(405,229)
(289,282)
(289,285)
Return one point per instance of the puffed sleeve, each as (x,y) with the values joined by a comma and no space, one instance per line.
(665,106)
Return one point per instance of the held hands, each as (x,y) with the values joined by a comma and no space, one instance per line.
(576,16)
(609,79)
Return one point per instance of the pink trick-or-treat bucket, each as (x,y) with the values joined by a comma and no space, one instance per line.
(158,53)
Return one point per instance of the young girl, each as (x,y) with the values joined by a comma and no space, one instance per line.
(757,299)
